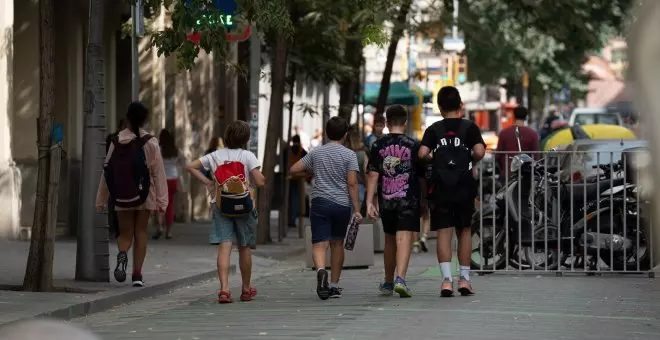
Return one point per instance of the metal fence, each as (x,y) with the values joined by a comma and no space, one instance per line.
(562,211)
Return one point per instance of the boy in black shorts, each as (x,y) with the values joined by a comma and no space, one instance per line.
(457,145)
(394,169)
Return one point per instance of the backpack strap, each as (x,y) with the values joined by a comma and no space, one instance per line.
(440,131)
(145,139)
(462,129)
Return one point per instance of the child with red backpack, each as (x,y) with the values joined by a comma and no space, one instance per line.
(233,204)
(134,178)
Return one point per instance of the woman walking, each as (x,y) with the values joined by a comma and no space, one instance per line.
(135,178)
(171,163)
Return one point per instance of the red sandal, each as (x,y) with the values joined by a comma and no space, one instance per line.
(224,297)
(248,294)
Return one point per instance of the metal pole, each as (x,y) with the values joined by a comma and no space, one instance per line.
(454,28)
(135,68)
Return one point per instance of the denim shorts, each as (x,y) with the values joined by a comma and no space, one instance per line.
(226,229)
(329,220)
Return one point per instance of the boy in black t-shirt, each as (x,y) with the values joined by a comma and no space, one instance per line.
(394,170)
(453,189)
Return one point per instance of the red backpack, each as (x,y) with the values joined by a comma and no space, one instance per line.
(233,193)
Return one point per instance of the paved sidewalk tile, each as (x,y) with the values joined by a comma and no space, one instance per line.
(506,307)
(183,260)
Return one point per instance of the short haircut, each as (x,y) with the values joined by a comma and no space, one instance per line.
(237,134)
(520,113)
(295,139)
(449,100)
(397,115)
(379,119)
(336,128)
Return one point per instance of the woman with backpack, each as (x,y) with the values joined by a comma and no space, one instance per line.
(134,177)
(171,162)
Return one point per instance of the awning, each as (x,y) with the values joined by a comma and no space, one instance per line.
(399,93)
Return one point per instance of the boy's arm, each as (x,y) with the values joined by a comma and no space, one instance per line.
(428,142)
(352,182)
(303,164)
(194,169)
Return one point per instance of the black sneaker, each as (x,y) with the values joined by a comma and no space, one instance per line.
(322,289)
(335,292)
(120,270)
(137,281)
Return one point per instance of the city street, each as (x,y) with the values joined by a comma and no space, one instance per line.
(506,307)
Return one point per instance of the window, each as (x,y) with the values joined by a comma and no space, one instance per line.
(596,118)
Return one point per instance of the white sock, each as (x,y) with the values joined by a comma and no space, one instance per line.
(319,269)
(334,285)
(445,267)
(465,272)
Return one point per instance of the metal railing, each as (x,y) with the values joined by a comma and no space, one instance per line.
(561,211)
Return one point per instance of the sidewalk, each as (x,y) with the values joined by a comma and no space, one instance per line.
(170,264)
(506,307)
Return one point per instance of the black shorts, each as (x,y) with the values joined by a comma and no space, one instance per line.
(457,215)
(395,220)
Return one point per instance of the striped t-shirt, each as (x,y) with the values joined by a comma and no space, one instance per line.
(330,164)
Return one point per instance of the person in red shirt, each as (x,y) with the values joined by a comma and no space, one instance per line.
(507,144)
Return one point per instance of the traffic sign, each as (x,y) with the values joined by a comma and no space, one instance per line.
(454,45)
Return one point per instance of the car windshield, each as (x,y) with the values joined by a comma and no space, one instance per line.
(596,118)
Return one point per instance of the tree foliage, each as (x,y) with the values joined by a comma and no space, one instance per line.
(549,38)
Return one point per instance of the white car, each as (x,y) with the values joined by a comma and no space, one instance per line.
(586,116)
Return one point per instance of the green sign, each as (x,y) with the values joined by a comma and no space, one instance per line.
(213,20)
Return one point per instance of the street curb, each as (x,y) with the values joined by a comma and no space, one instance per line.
(106,303)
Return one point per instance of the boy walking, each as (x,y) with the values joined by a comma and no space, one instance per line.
(334,192)
(456,145)
(234,213)
(395,171)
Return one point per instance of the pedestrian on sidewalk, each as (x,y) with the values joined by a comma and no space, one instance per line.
(172,163)
(395,172)
(421,238)
(296,152)
(334,191)
(355,143)
(134,177)
(234,215)
(507,143)
(456,146)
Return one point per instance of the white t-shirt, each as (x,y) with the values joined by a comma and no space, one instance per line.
(211,161)
(171,168)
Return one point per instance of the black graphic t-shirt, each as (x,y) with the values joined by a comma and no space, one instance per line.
(472,134)
(394,158)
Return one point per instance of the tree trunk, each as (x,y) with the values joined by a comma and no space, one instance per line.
(273,132)
(38,273)
(397,33)
(242,86)
(92,242)
(348,86)
(284,212)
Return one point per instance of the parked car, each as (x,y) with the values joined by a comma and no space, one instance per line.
(581,155)
(586,116)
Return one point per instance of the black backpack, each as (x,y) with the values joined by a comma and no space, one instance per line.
(452,179)
(127,173)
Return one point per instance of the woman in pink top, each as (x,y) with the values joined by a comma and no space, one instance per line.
(133,221)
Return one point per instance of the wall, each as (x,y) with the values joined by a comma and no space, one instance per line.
(305,92)
(9,174)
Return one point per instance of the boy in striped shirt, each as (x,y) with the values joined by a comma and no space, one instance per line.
(335,202)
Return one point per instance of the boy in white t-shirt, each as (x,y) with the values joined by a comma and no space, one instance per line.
(226,228)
